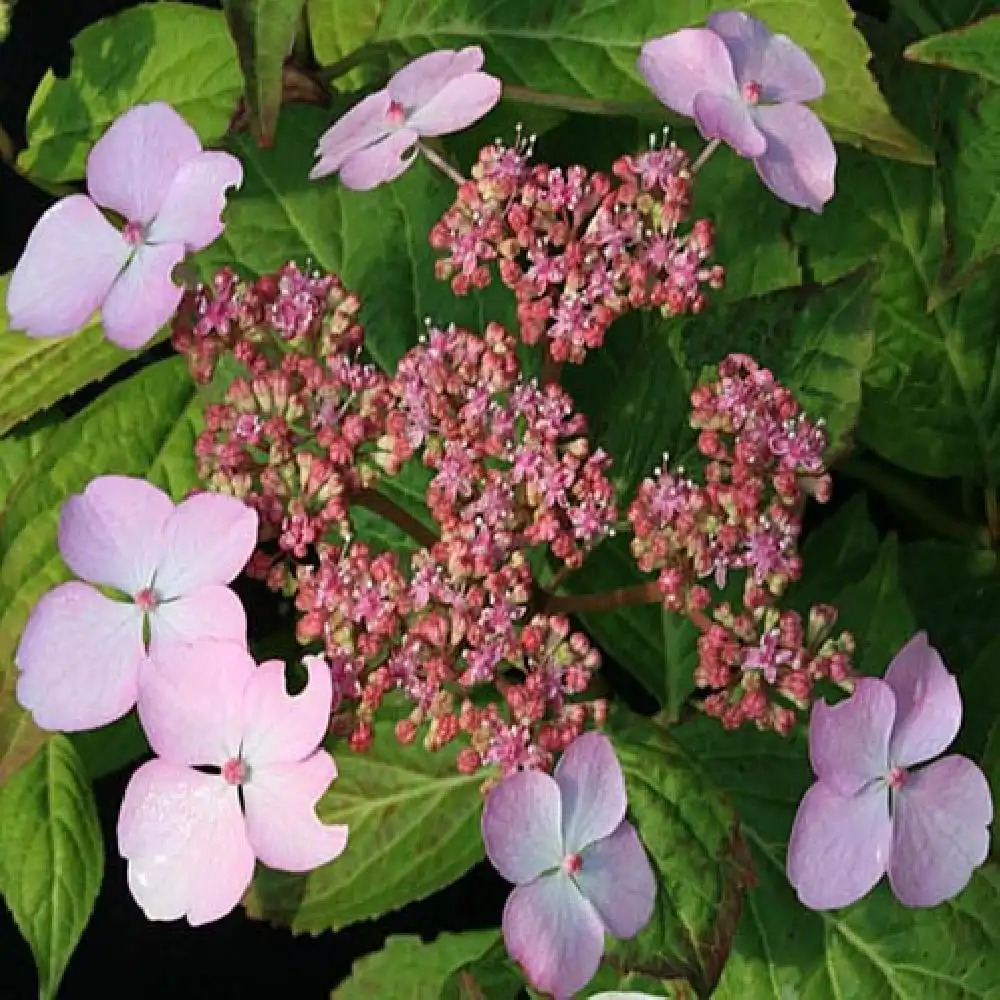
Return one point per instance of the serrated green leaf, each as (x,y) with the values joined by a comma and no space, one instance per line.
(172,52)
(492,976)
(610,982)
(18,449)
(338,29)
(51,856)
(972,49)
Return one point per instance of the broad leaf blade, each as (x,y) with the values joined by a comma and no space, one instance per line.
(972,49)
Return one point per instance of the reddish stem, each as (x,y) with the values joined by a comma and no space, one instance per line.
(568,604)
(379,503)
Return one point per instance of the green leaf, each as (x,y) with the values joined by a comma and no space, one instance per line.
(610,979)
(18,449)
(414,828)
(51,857)
(171,52)
(111,748)
(972,49)
(991,767)
(492,976)
(338,29)
(144,426)
(980,700)
(264,31)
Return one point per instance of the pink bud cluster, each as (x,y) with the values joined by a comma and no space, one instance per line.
(763,457)
(578,249)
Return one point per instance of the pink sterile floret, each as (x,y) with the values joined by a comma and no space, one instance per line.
(191,837)
(579,867)
(149,168)
(80,652)
(439,93)
(869,813)
(744,85)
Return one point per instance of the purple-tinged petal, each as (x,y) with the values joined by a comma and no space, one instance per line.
(681,66)
(144,297)
(192,210)
(213,612)
(728,119)
(421,80)
(365,124)
(940,820)
(928,704)
(190,700)
(521,826)
(379,163)
(617,878)
(849,742)
(79,658)
(839,847)
(459,104)
(782,69)
(69,264)
(554,934)
(207,540)
(593,791)
(185,841)
(131,167)
(280,802)
(112,533)
(800,161)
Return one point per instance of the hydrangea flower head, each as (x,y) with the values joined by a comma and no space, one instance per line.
(578,865)
(80,652)
(869,812)
(191,837)
(439,93)
(744,85)
(150,169)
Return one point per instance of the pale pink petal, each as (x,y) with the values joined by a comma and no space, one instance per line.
(213,612)
(79,658)
(522,826)
(928,705)
(800,161)
(132,166)
(461,102)
(728,119)
(280,802)
(617,878)
(185,841)
(69,264)
(839,847)
(940,820)
(380,163)
(554,934)
(784,71)
(849,743)
(365,124)
(190,701)
(680,66)
(192,211)
(144,297)
(593,791)
(421,80)
(208,539)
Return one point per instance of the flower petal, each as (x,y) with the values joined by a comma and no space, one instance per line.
(79,658)
(839,847)
(131,167)
(144,297)
(617,878)
(521,826)
(365,124)
(112,533)
(206,613)
(800,161)
(421,80)
(728,119)
(593,791)
(460,103)
(69,264)
(208,539)
(191,212)
(849,742)
(190,701)
(684,64)
(784,71)
(928,704)
(280,802)
(279,727)
(554,934)
(379,163)
(940,818)
(185,841)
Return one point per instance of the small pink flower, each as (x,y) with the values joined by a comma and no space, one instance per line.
(579,867)
(439,93)
(869,813)
(80,652)
(744,85)
(149,168)
(191,837)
